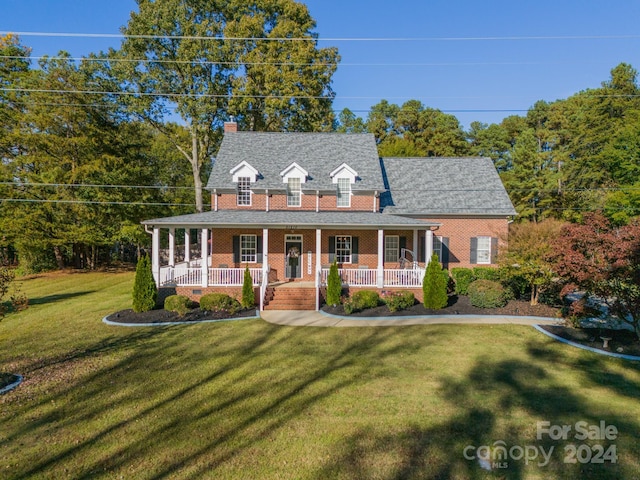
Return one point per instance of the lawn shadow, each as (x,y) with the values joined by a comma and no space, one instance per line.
(57,297)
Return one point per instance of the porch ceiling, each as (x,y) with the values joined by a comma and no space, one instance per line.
(281,219)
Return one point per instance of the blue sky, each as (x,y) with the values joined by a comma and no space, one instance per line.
(477,60)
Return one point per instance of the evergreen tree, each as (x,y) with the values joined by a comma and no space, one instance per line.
(434,286)
(334,285)
(145,292)
(248,298)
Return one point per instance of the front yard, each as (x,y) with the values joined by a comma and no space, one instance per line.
(249,399)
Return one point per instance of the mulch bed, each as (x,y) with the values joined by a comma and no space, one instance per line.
(622,341)
(164,316)
(7,379)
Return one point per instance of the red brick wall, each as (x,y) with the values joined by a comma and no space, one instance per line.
(228,201)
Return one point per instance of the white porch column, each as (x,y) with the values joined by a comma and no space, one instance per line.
(172,247)
(204,264)
(415,247)
(318,265)
(380,258)
(155,255)
(428,246)
(187,245)
(265,250)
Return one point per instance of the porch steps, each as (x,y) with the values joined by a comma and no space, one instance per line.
(290,298)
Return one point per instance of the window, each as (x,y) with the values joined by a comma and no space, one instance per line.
(244,191)
(248,248)
(344,192)
(391,248)
(484,250)
(343,249)
(437,247)
(293,192)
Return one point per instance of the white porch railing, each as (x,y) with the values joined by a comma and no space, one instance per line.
(369,277)
(182,276)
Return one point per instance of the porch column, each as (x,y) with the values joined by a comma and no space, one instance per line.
(415,247)
(265,250)
(204,264)
(187,245)
(428,246)
(318,266)
(380,258)
(172,247)
(155,255)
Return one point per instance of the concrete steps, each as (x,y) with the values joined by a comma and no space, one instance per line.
(290,298)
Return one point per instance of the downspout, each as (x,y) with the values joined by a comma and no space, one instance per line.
(215,200)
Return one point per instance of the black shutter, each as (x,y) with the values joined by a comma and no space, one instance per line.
(402,243)
(259,249)
(445,252)
(332,249)
(354,249)
(421,248)
(494,250)
(236,249)
(473,255)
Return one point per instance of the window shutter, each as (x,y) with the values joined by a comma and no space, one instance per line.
(259,249)
(354,249)
(494,250)
(236,249)
(332,249)
(402,243)
(421,247)
(445,252)
(473,256)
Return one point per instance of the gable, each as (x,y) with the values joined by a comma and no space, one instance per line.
(344,171)
(244,169)
(294,171)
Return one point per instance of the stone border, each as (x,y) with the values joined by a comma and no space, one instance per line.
(586,347)
(13,385)
(165,324)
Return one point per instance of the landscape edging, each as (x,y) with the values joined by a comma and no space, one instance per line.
(13,385)
(165,324)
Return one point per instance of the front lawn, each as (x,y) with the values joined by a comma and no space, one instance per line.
(252,400)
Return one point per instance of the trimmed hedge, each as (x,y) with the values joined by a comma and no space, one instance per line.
(399,300)
(434,285)
(462,278)
(361,300)
(177,303)
(145,292)
(486,273)
(334,285)
(248,298)
(487,294)
(219,302)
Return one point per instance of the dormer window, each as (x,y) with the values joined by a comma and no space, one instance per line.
(344,192)
(343,177)
(243,176)
(243,196)
(293,192)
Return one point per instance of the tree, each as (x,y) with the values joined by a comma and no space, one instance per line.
(211,60)
(434,285)
(348,122)
(334,285)
(603,261)
(145,292)
(527,256)
(248,297)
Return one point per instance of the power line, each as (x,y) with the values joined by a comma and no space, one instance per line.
(89,185)
(96,202)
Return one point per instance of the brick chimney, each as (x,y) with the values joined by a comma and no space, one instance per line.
(231,126)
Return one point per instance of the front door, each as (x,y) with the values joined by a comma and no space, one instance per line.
(293,256)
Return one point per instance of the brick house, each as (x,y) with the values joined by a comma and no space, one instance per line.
(288,204)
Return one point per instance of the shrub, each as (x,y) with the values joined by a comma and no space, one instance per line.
(177,303)
(486,273)
(145,292)
(462,278)
(248,298)
(219,302)
(434,286)
(361,300)
(487,294)
(17,301)
(334,285)
(399,300)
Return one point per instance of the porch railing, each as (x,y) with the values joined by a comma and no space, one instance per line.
(183,276)
(369,277)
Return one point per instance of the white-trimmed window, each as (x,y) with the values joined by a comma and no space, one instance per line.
(248,248)
(293,192)
(391,248)
(437,247)
(344,192)
(483,252)
(243,196)
(343,248)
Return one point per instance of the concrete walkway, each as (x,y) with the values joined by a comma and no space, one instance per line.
(305,318)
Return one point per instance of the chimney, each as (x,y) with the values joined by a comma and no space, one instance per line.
(231,126)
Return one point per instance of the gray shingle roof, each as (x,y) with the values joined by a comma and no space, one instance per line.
(284,219)
(318,153)
(444,186)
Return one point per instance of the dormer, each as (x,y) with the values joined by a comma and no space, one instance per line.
(294,176)
(344,171)
(244,170)
(294,171)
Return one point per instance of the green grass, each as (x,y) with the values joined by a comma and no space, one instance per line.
(250,400)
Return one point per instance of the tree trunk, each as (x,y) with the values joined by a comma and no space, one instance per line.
(195,168)
(534,294)
(59,258)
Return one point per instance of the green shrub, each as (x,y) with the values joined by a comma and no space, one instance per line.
(248,297)
(486,273)
(462,277)
(487,294)
(334,285)
(399,300)
(145,292)
(219,302)
(177,303)
(361,300)
(434,286)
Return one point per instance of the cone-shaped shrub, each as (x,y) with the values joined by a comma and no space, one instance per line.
(145,292)
(334,285)
(248,298)
(434,286)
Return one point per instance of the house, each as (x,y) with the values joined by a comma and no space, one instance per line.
(288,205)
